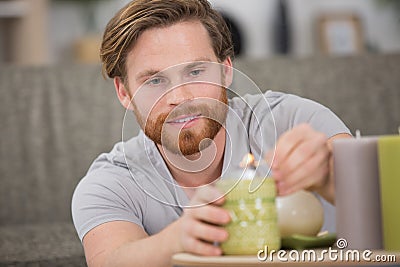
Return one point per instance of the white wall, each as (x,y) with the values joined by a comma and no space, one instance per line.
(381,26)
(23,37)
(68,22)
(256,17)
(381,29)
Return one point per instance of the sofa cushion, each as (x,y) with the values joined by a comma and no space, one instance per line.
(52,244)
(364,91)
(55,121)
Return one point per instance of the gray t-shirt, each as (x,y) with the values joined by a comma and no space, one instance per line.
(132,183)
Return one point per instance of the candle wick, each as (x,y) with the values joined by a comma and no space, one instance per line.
(358,133)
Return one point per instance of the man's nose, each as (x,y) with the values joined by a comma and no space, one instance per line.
(179,95)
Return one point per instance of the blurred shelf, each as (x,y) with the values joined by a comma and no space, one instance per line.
(13,8)
(23,31)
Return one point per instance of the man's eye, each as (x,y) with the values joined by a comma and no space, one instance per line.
(195,72)
(154,81)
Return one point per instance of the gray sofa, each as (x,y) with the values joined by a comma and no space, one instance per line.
(55,120)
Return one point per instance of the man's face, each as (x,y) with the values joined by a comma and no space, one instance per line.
(177,87)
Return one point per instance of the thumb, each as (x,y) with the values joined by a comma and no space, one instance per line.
(208,194)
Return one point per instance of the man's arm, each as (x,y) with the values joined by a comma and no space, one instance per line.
(303,160)
(121,243)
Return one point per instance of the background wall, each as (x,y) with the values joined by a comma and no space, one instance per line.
(68,25)
(381,26)
(23,31)
(256,20)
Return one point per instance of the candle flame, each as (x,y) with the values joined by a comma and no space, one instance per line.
(248,160)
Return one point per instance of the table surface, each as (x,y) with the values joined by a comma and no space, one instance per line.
(186,259)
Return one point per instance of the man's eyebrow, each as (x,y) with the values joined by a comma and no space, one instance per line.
(195,63)
(146,73)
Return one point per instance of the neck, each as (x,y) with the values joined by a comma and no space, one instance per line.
(200,168)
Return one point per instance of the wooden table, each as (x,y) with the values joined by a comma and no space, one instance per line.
(186,259)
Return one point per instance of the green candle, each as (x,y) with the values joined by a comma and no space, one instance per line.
(389,168)
(254,222)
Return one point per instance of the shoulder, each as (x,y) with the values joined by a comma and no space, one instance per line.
(280,105)
(130,183)
(120,172)
(104,195)
(272,100)
(283,111)
(110,190)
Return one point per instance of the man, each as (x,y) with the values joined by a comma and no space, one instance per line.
(146,200)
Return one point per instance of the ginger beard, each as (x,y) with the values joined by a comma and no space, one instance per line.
(187,141)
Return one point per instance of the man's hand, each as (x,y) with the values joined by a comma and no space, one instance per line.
(121,243)
(201,224)
(302,161)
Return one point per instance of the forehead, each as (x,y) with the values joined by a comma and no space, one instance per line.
(159,48)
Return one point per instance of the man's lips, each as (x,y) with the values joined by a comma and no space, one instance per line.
(184,119)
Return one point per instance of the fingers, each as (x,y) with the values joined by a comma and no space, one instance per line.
(202,224)
(198,236)
(288,142)
(301,160)
(311,175)
(209,214)
(207,195)
(196,246)
(300,154)
(208,210)
(206,232)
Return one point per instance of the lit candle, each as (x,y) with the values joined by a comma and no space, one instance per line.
(254,223)
(389,167)
(358,214)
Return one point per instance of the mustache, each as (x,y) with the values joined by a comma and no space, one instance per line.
(203,109)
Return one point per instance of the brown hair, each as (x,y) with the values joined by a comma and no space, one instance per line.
(126,26)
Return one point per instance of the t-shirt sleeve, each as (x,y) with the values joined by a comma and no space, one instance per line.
(321,118)
(286,111)
(272,114)
(104,196)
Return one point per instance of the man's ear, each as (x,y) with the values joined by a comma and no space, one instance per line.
(122,93)
(228,71)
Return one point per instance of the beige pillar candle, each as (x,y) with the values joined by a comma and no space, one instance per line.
(358,213)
